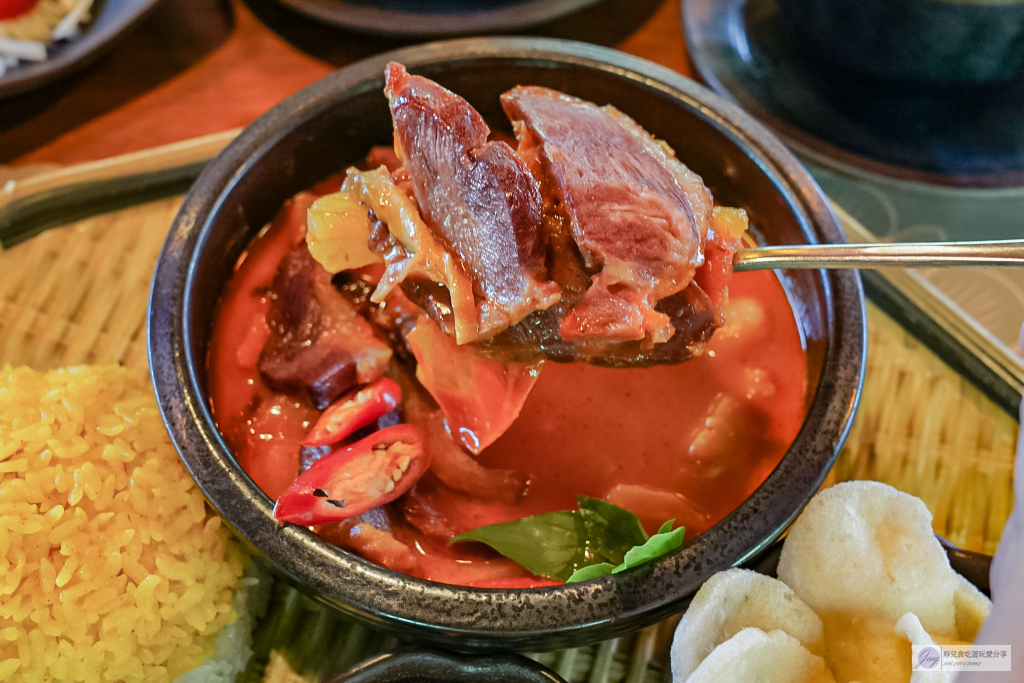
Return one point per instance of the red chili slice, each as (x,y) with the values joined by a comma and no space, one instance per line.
(354,411)
(357,478)
(9,9)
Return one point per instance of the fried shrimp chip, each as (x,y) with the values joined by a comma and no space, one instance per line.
(753,655)
(971,609)
(865,648)
(862,579)
(909,626)
(734,600)
(865,548)
(871,649)
(864,557)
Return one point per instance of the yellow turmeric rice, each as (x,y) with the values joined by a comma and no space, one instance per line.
(111,568)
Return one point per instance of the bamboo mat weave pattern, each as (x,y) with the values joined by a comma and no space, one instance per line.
(928,431)
(78,294)
(296,628)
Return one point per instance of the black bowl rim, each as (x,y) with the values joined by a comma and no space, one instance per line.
(473,618)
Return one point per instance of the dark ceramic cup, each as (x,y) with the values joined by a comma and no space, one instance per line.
(333,123)
(924,41)
(434,666)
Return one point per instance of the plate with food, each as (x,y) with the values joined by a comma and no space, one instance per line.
(423,346)
(423,18)
(40,40)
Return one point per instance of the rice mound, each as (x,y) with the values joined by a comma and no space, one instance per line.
(111,569)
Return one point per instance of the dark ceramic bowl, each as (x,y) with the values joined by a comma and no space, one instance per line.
(930,41)
(332,123)
(435,19)
(433,666)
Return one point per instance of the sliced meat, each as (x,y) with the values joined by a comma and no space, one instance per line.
(692,313)
(420,509)
(638,215)
(373,542)
(636,257)
(442,512)
(477,196)
(318,342)
(458,470)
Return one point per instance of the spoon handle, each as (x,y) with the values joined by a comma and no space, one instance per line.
(994,254)
(58,197)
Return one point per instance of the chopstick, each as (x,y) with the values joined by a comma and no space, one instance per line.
(45,200)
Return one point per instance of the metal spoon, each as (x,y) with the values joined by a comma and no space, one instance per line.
(993,254)
(58,197)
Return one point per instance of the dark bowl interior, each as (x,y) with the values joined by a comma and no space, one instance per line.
(938,42)
(332,123)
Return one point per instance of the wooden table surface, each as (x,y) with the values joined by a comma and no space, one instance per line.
(200,66)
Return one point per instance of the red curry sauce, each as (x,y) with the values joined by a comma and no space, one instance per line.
(690,441)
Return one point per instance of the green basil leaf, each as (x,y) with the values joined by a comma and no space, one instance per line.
(656,546)
(666,527)
(610,530)
(572,546)
(550,544)
(591,572)
(619,520)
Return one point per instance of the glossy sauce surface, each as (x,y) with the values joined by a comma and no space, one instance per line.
(689,442)
(586,429)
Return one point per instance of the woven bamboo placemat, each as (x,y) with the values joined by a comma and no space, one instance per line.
(78,294)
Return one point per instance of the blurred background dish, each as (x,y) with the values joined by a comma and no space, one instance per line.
(910,162)
(111,18)
(964,137)
(920,41)
(426,18)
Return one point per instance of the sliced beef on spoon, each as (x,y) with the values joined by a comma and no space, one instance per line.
(629,228)
(591,242)
(318,341)
(478,198)
(638,215)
